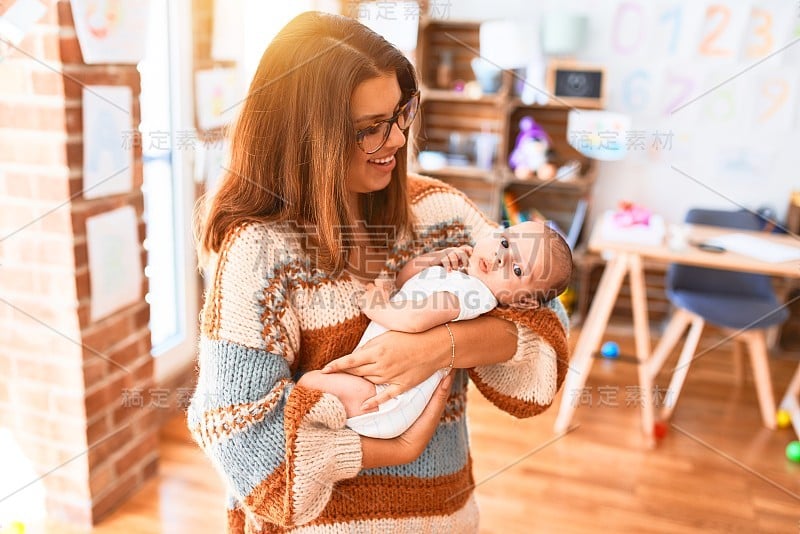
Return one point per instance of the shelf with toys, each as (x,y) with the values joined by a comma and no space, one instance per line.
(475,132)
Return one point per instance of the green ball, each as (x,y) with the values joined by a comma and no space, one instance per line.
(793,451)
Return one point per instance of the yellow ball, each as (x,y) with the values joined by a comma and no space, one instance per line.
(15,527)
(783,419)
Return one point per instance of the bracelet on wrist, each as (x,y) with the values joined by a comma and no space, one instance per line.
(452,348)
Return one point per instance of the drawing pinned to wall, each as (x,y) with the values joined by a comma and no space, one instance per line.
(599,135)
(675,28)
(722,30)
(723,105)
(227,40)
(769,24)
(115,265)
(743,165)
(635,89)
(111,31)
(107,161)
(218,93)
(773,101)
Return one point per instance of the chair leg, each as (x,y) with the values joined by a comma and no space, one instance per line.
(738,362)
(757,345)
(682,368)
(672,334)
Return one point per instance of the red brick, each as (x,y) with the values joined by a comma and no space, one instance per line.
(150,469)
(147,446)
(58,221)
(15,79)
(70,378)
(127,351)
(67,404)
(102,335)
(73,120)
(54,188)
(94,370)
(97,430)
(74,154)
(101,478)
(83,285)
(32,396)
(141,317)
(47,82)
(70,50)
(17,279)
(105,447)
(58,483)
(65,15)
(105,503)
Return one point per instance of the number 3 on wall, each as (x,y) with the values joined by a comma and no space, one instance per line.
(763,41)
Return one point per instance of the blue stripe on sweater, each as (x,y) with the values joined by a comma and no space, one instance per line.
(232,374)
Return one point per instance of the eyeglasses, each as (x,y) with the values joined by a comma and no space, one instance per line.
(372,138)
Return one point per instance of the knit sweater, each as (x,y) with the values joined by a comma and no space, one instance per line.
(289,462)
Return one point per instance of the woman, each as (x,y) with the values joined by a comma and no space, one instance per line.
(315,204)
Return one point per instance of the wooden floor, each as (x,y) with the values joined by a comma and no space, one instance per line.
(717,470)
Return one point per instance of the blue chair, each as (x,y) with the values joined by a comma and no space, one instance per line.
(742,304)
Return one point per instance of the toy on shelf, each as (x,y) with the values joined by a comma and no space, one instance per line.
(530,156)
(634,224)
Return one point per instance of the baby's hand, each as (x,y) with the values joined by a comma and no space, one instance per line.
(456,257)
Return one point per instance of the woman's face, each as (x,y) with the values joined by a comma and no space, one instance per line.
(374,100)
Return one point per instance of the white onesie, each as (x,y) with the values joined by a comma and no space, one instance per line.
(396,415)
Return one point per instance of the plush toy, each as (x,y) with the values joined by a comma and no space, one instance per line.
(630,214)
(531,151)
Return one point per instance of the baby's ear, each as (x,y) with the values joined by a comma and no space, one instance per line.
(526,303)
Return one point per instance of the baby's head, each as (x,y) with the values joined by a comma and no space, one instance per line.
(527,262)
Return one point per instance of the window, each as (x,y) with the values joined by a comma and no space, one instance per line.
(166,112)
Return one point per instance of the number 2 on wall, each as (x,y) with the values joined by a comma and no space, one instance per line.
(722,16)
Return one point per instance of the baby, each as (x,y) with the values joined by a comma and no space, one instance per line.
(523,265)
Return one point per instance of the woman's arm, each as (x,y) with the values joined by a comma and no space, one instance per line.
(526,383)
(279,447)
(403,360)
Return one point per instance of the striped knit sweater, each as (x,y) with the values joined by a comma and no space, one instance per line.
(288,460)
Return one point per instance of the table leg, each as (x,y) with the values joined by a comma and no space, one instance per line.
(591,332)
(641,332)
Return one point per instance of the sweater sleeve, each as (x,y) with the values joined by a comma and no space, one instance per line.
(279,447)
(526,384)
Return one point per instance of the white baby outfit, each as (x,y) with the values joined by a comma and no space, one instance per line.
(396,415)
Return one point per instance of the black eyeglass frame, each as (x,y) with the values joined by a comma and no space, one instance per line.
(391,121)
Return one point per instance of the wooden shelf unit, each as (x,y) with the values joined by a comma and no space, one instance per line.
(445,112)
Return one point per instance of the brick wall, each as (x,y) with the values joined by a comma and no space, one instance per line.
(62,382)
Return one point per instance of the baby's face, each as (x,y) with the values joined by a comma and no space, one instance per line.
(512,261)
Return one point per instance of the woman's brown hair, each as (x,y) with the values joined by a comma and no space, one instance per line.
(294,137)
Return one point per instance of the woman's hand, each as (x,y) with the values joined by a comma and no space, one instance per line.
(409,445)
(398,359)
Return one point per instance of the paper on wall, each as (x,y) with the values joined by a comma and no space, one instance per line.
(111,31)
(115,266)
(108,137)
(218,95)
